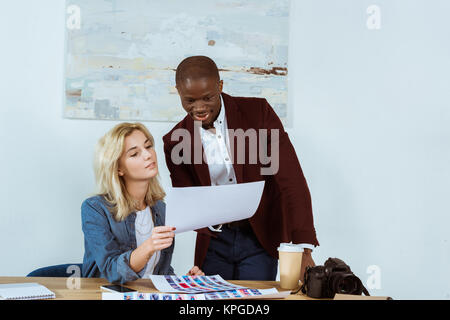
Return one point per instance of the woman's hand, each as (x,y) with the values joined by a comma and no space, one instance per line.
(161,238)
(195,271)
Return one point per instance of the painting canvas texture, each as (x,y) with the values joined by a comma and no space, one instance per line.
(121,55)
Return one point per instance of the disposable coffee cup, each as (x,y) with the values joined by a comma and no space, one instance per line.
(290,256)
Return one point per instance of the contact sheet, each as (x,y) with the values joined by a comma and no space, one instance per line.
(192,284)
(196,288)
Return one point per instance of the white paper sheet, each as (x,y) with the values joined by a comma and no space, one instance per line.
(193,208)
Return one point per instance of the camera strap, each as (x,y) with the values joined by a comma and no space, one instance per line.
(365,291)
(302,288)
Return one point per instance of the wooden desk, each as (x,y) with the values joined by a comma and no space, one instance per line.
(90,287)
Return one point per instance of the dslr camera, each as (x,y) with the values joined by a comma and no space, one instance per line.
(333,277)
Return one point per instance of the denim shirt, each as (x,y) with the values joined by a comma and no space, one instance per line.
(108,244)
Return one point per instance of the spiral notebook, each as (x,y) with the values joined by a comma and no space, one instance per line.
(24,291)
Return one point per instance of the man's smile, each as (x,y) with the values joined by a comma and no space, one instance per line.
(201,116)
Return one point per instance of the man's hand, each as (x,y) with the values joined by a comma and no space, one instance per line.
(195,271)
(307,261)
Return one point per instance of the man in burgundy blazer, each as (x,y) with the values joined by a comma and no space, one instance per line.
(284,213)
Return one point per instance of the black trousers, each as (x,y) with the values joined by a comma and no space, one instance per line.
(236,254)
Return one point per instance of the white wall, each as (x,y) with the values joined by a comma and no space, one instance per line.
(371,114)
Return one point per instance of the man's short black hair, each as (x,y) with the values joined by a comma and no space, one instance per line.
(196,67)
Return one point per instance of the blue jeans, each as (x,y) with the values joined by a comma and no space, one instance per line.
(237,255)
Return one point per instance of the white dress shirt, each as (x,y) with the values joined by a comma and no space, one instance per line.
(217,153)
(217,150)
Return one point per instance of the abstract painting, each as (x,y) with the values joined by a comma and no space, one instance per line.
(121,55)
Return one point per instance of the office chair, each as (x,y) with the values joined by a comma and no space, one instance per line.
(60,270)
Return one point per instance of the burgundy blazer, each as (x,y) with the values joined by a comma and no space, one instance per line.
(284,213)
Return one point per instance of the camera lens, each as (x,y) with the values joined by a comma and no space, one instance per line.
(348,284)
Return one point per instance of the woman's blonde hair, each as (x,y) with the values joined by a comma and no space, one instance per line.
(106,167)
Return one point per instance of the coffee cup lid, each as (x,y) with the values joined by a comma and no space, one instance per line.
(290,247)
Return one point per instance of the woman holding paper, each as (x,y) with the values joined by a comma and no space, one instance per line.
(125,236)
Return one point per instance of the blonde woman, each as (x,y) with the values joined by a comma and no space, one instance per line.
(124,232)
